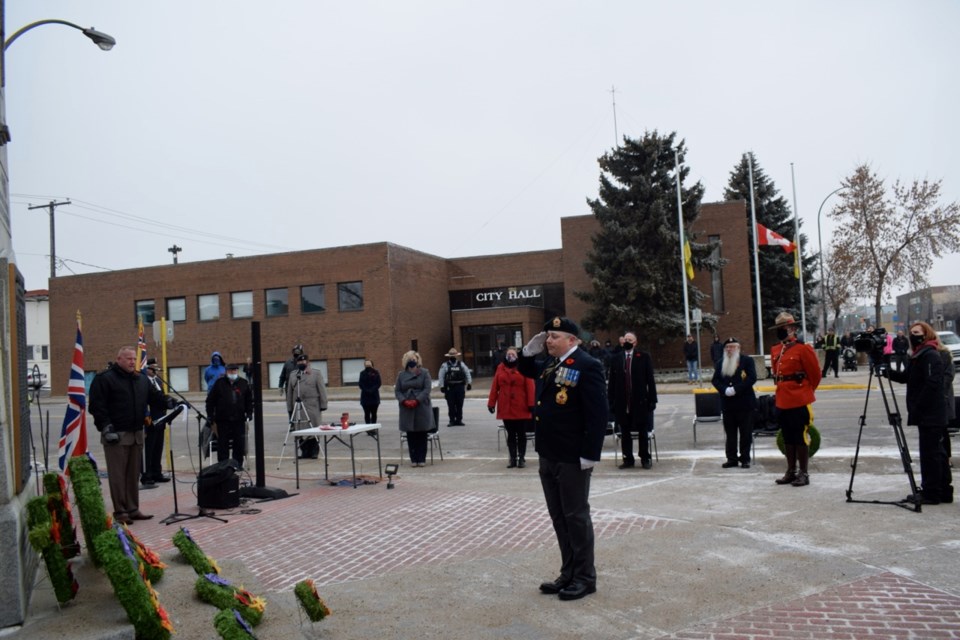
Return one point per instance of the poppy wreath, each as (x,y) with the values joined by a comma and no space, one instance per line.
(58,503)
(231,625)
(44,535)
(191,552)
(216,590)
(151,564)
(93,514)
(812,448)
(314,606)
(135,593)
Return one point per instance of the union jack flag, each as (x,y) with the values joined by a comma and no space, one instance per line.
(141,346)
(73,435)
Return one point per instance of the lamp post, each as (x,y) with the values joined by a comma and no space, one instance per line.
(102,40)
(823,286)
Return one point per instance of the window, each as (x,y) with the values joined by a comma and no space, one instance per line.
(350,369)
(312,299)
(716,277)
(241,304)
(350,296)
(177,309)
(31,352)
(273,374)
(208,307)
(178,378)
(276,302)
(145,309)
(44,352)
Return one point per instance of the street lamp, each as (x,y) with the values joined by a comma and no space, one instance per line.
(823,286)
(102,40)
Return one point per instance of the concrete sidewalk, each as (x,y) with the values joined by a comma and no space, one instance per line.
(457,549)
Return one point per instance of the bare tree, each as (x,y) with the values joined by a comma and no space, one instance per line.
(838,290)
(880,241)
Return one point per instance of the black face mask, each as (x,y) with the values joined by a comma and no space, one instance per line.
(782,333)
(628,346)
(452,360)
(916,341)
(411,364)
(302,367)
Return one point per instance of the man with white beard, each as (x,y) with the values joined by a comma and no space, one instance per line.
(734,378)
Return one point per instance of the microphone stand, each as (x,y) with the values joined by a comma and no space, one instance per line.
(177,516)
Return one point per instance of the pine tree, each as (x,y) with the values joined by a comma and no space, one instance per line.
(635,263)
(779,288)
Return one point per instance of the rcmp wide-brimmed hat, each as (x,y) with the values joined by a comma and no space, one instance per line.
(783,319)
(565,325)
(453,353)
(730,340)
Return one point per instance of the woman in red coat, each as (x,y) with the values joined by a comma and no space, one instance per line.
(512,397)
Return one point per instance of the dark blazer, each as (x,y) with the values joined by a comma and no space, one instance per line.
(643,387)
(119,399)
(570,420)
(742,381)
(926,406)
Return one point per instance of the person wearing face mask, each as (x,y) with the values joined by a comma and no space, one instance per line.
(455,381)
(307,385)
(927,410)
(369,383)
(512,398)
(229,407)
(632,394)
(796,372)
(412,391)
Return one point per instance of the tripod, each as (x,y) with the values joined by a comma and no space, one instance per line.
(176,516)
(893,417)
(298,416)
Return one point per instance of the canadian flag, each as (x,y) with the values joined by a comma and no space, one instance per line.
(767,237)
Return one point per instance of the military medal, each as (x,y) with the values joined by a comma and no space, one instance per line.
(562,396)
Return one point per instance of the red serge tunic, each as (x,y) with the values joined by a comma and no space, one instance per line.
(796,371)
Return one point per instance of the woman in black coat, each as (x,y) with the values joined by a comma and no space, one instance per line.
(369,392)
(927,409)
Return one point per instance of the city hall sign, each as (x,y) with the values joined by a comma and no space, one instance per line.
(519,296)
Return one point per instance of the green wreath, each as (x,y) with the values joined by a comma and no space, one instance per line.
(231,625)
(150,621)
(93,513)
(812,447)
(310,600)
(59,505)
(44,537)
(191,552)
(218,591)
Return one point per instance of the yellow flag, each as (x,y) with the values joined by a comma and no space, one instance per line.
(796,265)
(688,259)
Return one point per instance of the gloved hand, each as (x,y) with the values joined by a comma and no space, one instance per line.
(587,464)
(491,409)
(652,406)
(535,346)
(730,392)
(469,387)
(249,417)
(443,390)
(282,391)
(410,403)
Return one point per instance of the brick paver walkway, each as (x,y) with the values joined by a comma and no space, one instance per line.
(881,607)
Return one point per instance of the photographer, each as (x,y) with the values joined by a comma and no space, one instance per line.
(118,404)
(927,410)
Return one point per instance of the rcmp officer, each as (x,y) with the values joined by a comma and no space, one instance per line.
(570,419)
(796,371)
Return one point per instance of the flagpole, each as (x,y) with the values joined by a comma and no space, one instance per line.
(683,261)
(756,256)
(799,256)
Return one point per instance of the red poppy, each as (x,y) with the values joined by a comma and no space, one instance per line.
(568,361)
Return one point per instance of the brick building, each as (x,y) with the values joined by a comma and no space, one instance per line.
(374,301)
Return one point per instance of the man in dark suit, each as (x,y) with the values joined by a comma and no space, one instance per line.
(632,393)
(570,419)
(734,378)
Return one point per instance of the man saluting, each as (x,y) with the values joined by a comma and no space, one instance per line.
(570,419)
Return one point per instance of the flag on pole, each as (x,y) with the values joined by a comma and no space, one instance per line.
(688,259)
(767,237)
(141,346)
(73,435)
(796,265)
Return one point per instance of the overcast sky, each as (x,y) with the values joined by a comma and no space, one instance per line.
(454,128)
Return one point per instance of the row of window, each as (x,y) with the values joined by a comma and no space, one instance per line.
(276,302)
(350,369)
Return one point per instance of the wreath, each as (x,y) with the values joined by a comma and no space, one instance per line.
(135,593)
(93,514)
(44,535)
(58,503)
(191,552)
(231,625)
(151,566)
(812,446)
(310,600)
(218,591)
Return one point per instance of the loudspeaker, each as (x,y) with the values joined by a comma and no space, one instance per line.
(218,486)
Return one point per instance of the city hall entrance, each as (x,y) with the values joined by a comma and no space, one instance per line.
(483,347)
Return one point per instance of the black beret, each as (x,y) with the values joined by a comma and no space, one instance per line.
(565,325)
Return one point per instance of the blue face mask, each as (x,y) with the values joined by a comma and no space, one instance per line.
(411,364)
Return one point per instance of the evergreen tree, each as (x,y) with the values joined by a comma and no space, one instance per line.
(635,263)
(779,288)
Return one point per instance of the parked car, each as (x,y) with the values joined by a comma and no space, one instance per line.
(952,342)
(36,383)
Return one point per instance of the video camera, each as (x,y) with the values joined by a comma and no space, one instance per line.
(872,342)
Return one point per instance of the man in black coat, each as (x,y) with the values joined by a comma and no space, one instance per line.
(118,404)
(153,434)
(632,393)
(570,419)
(734,378)
(229,406)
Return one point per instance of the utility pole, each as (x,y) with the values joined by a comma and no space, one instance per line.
(175,250)
(616,134)
(53,241)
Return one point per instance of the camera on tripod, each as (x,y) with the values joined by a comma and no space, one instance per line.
(872,342)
